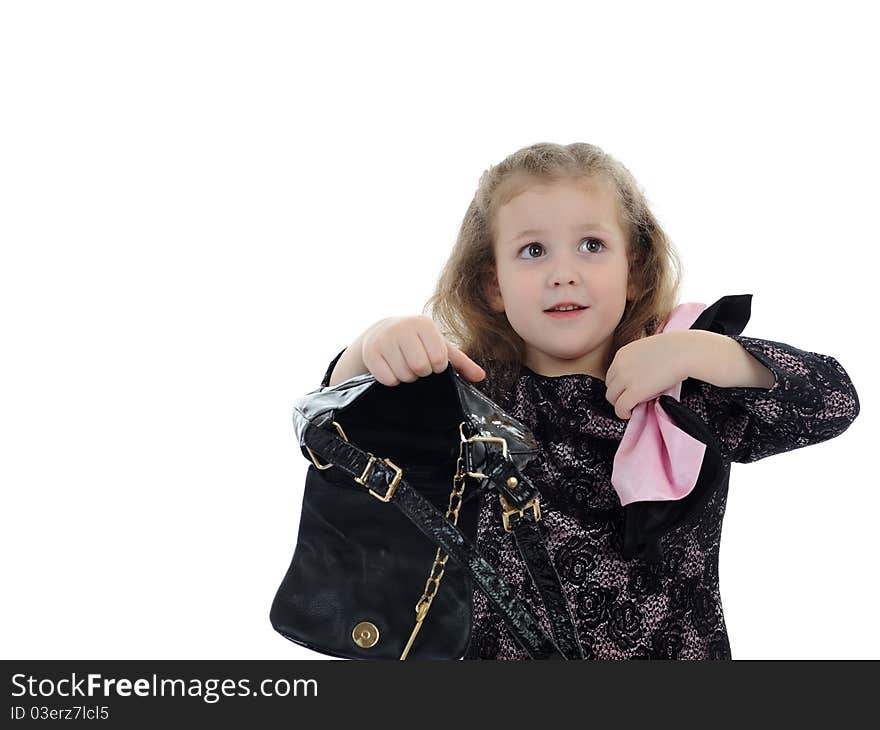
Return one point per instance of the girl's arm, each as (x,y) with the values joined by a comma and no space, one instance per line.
(811,400)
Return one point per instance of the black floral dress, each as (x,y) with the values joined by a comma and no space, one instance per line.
(665,605)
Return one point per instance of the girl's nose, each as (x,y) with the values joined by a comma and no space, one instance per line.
(564,277)
(564,271)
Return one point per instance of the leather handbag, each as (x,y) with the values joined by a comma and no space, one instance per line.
(393,490)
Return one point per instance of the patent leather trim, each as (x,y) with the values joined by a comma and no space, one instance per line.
(486,418)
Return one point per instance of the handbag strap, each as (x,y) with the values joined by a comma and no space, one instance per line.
(505,477)
(384,480)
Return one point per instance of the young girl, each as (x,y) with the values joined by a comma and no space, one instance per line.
(567,225)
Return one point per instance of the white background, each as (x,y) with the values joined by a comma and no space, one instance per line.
(201,203)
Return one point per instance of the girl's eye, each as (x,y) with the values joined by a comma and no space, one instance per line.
(601,243)
(530,246)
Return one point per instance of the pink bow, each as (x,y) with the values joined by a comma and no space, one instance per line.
(656,460)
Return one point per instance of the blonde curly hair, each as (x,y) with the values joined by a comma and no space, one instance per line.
(459,305)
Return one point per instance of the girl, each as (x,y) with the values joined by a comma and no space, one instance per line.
(553,227)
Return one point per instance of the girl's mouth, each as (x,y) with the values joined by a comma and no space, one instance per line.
(566,315)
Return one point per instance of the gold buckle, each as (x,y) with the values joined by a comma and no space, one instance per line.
(497,439)
(315,458)
(391,487)
(508,510)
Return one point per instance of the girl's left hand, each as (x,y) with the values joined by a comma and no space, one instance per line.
(643,369)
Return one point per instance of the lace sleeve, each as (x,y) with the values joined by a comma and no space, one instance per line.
(325,381)
(811,400)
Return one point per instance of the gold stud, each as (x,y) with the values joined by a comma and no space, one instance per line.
(365,634)
(512,482)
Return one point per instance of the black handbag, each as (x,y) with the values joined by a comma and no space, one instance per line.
(393,490)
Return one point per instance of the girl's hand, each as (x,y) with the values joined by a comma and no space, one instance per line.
(643,369)
(406,348)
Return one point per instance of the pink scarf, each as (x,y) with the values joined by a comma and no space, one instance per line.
(656,460)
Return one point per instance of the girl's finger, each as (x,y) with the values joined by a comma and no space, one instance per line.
(434,346)
(383,373)
(415,357)
(464,365)
(393,355)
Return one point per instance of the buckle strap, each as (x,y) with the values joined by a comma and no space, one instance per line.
(389,492)
(388,478)
(368,477)
(518,495)
(507,511)
(513,487)
(518,492)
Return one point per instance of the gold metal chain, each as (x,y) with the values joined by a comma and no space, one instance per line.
(433,582)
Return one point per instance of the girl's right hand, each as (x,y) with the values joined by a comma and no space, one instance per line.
(406,348)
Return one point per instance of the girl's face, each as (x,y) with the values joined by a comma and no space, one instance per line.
(560,242)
